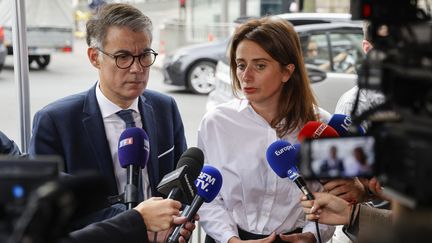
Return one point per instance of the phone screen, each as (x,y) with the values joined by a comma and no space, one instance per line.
(342,157)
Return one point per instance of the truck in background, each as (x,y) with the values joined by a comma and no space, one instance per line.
(50,27)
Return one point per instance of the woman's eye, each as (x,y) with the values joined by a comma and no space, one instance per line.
(260,66)
(241,66)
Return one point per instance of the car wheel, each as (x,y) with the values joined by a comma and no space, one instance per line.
(43,61)
(201,77)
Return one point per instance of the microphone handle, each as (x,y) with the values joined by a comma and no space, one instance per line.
(131,188)
(189,213)
(175,194)
(303,187)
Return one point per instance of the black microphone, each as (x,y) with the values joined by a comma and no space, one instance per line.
(133,154)
(208,185)
(179,184)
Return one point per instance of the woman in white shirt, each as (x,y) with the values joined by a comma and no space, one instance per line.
(254,203)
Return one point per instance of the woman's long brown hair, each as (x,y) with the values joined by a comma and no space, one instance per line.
(279,39)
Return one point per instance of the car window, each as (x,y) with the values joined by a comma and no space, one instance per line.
(316,50)
(346,51)
(333,52)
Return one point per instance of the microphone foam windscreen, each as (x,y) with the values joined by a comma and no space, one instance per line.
(316,129)
(194,159)
(341,123)
(281,156)
(208,183)
(133,147)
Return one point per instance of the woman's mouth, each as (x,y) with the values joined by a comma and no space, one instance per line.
(249,90)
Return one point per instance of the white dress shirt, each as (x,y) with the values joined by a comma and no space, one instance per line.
(367,100)
(234,139)
(114,126)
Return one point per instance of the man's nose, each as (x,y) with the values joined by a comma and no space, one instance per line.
(136,65)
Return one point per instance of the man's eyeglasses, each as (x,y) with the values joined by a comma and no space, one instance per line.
(125,60)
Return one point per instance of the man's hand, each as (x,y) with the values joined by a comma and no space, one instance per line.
(158,214)
(299,238)
(327,209)
(185,232)
(351,190)
(375,187)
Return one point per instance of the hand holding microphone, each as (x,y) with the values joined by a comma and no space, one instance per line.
(327,209)
(208,185)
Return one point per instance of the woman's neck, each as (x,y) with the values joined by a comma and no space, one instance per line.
(268,113)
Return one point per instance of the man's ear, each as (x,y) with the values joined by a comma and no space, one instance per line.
(93,56)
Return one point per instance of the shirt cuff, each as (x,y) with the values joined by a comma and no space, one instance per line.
(227,235)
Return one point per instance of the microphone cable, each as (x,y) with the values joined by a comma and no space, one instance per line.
(317,231)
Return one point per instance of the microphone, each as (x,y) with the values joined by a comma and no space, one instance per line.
(282,158)
(316,129)
(342,124)
(133,154)
(208,185)
(179,184)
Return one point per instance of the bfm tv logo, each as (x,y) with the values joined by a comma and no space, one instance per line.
(204,180)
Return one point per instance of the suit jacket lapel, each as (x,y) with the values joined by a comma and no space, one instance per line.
(95,131)
(149,125)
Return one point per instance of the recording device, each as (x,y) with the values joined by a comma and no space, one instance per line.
(179,184)
(19,177)
(53,206)
(344,157)
(400,67)
(208,185)
(133,154)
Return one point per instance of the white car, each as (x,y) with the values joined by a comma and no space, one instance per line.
(329,79)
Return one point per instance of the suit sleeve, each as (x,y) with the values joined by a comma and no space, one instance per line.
(126,227)
(179,136)
(45,138)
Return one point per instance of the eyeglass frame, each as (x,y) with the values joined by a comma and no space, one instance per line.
(115,57)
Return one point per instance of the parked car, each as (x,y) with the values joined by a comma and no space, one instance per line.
(3,50)
(330,78)
(194,66)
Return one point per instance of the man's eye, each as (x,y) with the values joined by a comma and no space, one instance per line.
(123,56)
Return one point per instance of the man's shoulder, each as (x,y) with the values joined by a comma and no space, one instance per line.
(66,103)
(152,96)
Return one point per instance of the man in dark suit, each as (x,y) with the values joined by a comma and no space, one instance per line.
(154,215)
(7,146)
(84,128)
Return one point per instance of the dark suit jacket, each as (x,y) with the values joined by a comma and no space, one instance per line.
(8,146)
(73,128)
(125,227)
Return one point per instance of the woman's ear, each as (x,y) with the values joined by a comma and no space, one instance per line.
(288,71)
(93,56)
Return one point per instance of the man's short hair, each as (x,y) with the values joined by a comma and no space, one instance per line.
(116,14)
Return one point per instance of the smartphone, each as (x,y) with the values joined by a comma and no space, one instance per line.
(341,157)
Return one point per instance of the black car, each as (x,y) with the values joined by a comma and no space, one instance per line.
(194,66)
